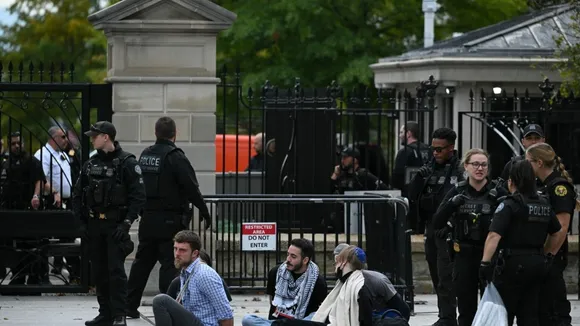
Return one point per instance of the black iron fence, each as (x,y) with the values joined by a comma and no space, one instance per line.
(254,231)
(304,128)
(497,121)
(43,114)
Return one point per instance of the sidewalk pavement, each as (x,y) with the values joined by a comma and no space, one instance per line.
(75,310)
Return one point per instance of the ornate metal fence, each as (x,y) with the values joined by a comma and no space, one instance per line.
(37,104)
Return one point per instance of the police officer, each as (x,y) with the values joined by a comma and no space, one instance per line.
(428,188)
(533,134)
(412,156)
(171,186)
(108,197)
(522,222)
(558,187)
(348,175)
(471,203)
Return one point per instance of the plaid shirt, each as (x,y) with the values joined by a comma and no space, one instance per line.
(205,296)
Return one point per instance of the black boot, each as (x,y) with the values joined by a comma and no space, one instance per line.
(100,320)
(120,321)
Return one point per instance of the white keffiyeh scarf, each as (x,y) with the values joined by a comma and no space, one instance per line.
(292,296)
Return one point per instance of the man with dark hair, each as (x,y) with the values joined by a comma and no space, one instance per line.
(410,158)
(172,188)
(428,188)
(21,184)
(201,299)
(296,287)
(107,199)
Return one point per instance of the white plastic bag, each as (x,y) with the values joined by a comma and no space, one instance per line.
(490,311)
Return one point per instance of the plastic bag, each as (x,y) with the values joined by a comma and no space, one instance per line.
(490,311)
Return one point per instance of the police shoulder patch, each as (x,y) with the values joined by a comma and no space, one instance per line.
(561,191)
(499,207)
(137,169)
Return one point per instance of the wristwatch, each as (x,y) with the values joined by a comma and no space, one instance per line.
(127,221)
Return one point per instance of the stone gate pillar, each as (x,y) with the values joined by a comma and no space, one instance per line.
(161,60)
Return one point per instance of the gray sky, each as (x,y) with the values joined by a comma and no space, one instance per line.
(5,17)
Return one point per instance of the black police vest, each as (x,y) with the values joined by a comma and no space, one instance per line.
(106,189)
(473,219)
(531,223)
(436,185)
(162,193)
(419,157)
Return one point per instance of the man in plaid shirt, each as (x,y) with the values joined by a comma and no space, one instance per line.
(202,300)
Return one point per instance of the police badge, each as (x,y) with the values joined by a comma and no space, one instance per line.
(453,180)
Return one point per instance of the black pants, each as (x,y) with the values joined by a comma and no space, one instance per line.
(466,282)
(519,287)
(148,253)
(108,267)
(441,270)
(554,305)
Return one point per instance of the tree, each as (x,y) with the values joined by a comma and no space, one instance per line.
(56,31)
(323,40)
(568,47)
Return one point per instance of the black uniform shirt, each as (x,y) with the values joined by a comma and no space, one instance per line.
(22,173)
(446,209)
(185,177)
(132,179)
(415,154)
(562,199)
(508,213)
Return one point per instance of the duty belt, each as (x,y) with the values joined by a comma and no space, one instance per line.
(113,214)
(523,251)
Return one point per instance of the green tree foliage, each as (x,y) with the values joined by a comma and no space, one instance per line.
(46,35)
(323,40)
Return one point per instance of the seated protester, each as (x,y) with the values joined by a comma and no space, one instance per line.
(349,303)
(202,300)
(173,288)
(386,301)
(296,287)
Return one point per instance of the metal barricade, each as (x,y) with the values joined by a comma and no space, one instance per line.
(28,240)
(253,233)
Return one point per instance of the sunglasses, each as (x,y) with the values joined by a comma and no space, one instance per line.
(438,149)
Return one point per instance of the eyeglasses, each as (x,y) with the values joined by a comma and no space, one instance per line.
(478,165)
(438,149)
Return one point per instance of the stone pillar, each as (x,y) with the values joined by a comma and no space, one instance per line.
(161,59)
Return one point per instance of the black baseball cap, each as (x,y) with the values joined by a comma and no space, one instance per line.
(350,151)
(533,129)
(102,127)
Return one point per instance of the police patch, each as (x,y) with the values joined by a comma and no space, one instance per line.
(137,169)
(499,208)
(561,191)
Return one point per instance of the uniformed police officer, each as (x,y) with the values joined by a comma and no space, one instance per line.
(428,188)
(558,187)
(533,134)
(348,175)
(412,156)
(522,222)
(111,193)
(171,186)
(471,203)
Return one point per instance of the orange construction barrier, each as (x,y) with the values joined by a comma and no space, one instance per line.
(245,145)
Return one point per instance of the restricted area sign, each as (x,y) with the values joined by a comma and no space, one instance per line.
(259,236)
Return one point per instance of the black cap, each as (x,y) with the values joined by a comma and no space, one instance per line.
(350,151)
(102,127)
(533,129)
